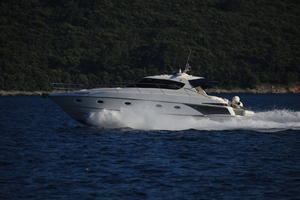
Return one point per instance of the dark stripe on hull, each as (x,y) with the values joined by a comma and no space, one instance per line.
(217,104)
(210,110)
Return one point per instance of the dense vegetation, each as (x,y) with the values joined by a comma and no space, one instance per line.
(240,43)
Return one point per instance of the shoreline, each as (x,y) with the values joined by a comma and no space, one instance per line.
(260,90)
(13,93)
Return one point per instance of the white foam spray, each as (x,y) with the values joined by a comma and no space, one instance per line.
(148,119)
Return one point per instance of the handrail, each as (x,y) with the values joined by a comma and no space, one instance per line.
(69,87)
(158,85)
(73,86)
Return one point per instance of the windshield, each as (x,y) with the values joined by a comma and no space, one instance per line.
(157,83)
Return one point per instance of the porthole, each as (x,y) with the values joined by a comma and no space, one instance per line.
(78,100)
(127,103)
(177,107)
(100,101)
(158,105)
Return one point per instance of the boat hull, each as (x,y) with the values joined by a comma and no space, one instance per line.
(81,107)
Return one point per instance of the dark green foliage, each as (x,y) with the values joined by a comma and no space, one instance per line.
(237,42)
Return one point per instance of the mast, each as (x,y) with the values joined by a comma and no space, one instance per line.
(187,65)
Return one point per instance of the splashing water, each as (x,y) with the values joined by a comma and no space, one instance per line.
(147,119)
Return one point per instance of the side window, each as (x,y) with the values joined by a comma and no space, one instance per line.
(158,83)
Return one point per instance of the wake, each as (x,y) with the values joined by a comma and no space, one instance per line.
(145,119)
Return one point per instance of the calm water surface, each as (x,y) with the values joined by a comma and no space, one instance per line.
(44,154)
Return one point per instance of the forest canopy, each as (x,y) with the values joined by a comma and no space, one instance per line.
(240,43)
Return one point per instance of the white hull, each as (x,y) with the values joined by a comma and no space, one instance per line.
(80,108)
(161,99)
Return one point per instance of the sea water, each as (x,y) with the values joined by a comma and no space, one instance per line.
(44,154)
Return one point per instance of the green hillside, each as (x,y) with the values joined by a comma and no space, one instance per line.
(240,43)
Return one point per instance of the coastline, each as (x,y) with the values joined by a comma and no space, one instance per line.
(265,89)
(23,93)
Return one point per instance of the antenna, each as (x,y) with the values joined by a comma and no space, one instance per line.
(187,65)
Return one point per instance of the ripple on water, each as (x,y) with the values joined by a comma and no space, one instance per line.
(46,155)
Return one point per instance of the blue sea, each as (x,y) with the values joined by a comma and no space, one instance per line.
(44,154)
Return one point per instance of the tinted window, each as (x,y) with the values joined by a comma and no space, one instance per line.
(204,83)
(157,83)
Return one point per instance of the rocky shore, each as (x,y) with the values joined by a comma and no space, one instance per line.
(265,89)
(24,93)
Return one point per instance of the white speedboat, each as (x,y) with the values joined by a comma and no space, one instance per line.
(179,94)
